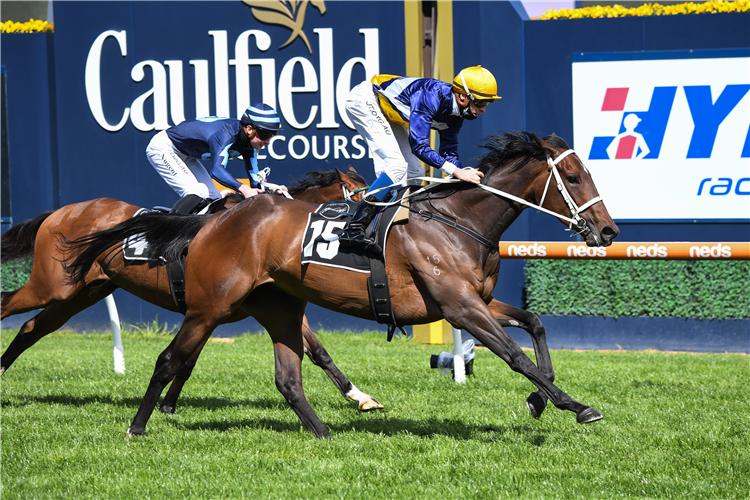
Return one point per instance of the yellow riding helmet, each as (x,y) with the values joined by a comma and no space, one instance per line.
(477,83)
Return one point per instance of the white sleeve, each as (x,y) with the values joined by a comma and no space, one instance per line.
(448,168)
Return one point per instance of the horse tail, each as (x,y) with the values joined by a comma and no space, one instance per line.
(18,241)
(167,235)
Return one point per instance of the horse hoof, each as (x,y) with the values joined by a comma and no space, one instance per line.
(588,415)
(536,405)
(134,433)
(167,409)
(370,404)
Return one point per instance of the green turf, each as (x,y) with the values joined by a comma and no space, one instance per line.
(675,426)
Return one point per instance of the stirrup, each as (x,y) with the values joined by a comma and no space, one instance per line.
(359,239)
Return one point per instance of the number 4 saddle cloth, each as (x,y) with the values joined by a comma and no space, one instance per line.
(320,244)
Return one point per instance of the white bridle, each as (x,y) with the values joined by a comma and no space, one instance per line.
(575,210)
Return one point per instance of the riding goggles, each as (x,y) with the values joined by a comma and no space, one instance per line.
(264,134)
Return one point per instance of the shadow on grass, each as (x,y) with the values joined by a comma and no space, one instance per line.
(19,401)
(386,426)
(429,428)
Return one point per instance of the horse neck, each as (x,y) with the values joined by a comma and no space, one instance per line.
(490,214)
(316,194)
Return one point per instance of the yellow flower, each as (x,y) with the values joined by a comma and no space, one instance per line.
(650,10)
(33,26)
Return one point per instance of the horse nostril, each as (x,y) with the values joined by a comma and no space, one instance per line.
(609,233)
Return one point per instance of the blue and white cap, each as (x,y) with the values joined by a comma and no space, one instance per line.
(262,116)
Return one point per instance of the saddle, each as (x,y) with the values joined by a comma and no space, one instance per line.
(320,246)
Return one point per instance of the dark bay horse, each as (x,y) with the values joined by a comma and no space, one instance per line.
(47,288)
(246,262)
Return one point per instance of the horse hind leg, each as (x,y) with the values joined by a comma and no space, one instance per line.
(320,357)
(49,320)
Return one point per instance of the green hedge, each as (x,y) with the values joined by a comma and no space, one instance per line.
(682,289)
(14,274)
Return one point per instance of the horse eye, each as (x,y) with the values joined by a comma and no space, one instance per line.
(572,179)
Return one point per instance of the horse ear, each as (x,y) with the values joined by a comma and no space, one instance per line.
(548,148)
(342,176)
(351,169)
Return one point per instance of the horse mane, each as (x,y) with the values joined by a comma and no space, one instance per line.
(322,178)
(503,151)
(168,236)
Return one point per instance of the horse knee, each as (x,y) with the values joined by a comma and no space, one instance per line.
(165,369)
(536,328)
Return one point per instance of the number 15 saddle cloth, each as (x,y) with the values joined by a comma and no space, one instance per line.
(320,245)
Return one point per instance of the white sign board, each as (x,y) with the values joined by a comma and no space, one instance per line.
(666,136)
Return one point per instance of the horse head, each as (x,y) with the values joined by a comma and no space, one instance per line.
(354,185)
(546,173)
(575,194)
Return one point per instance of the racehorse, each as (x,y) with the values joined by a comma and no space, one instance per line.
(443,263)
(46,288)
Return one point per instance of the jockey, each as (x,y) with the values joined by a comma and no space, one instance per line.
(395,114)
(175,154)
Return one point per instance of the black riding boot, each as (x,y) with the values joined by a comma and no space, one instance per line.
(187,204)
(354,232)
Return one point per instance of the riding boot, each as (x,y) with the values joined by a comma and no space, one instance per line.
(354,233)
(187,204)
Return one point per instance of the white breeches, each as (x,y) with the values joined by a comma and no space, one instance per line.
(388,142)
(185,174)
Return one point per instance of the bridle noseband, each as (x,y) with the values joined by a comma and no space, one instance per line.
(575,210)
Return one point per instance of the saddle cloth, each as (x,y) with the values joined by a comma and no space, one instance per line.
(320,244)
(136,247)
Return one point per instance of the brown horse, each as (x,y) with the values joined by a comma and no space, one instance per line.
(242,264)
(46,288)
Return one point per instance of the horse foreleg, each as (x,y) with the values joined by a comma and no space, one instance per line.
(475,316)
(187,344)
(49,320)
(320,357)
(508,315)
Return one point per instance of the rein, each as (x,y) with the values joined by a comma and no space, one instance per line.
(575,210)
(348,194)
(455,225)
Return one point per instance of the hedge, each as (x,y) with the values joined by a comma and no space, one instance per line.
(682,289)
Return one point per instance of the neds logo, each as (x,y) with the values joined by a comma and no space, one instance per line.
(535,250)
(585,251)
(716,251)
(654,250)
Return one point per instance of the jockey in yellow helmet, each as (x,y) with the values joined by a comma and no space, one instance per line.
(395,115)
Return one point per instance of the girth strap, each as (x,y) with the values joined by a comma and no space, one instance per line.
(176,274)
(380,297)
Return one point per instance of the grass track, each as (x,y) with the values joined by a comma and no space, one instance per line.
(675,426)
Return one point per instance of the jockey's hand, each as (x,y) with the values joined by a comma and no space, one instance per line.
(278,190)
(249,192)
(468,174)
